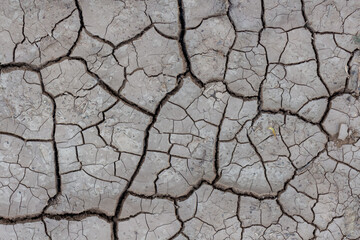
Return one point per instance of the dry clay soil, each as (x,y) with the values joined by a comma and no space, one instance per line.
(179,119)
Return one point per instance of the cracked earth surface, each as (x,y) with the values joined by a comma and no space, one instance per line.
(180,119)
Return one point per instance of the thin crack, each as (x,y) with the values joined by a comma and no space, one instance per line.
(56,154)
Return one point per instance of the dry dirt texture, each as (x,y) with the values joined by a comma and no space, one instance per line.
(179,119)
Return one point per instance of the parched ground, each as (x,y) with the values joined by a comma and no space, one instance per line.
(179,119)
